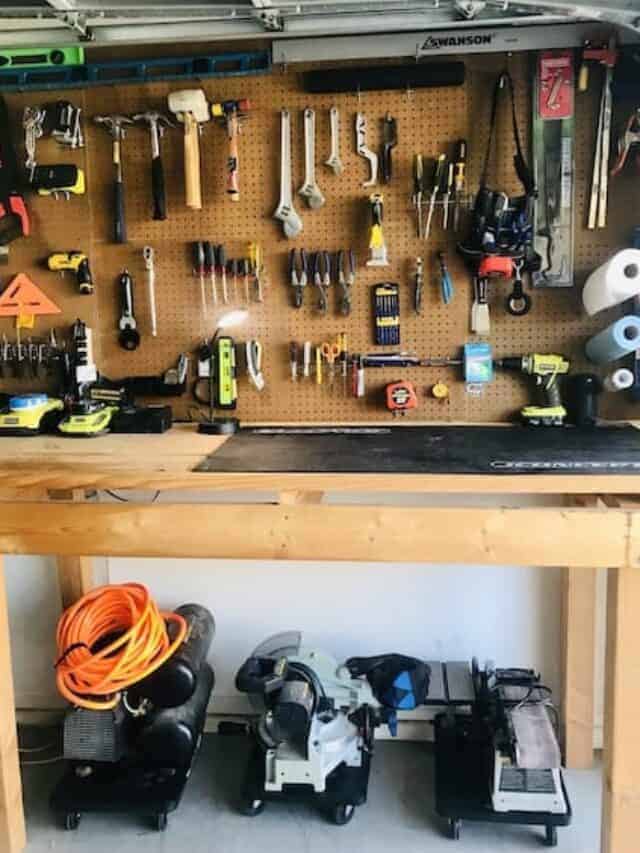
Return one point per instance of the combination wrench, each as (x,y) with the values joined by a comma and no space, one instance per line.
(285,212)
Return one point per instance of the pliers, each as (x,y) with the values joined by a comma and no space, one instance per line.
(298,275)
(322,278)
(346,278)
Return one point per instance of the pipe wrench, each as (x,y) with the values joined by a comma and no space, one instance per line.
(285,212)
(310,189)
(363,151)
(334,162)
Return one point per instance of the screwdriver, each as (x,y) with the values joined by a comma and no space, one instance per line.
(244,272)
(344,359)
(221,264)
(448,187)
(232,272)
(210,268)
(306,359)
(293,360)
(318,366)
(459,180)
(198,269)
(438,172)
(418,187)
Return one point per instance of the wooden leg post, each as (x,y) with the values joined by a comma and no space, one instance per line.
(621,782)
(75,574)
(12,828)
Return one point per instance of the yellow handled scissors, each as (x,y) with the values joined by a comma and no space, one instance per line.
(331,352)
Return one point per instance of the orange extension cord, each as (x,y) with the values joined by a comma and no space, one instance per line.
(141,644)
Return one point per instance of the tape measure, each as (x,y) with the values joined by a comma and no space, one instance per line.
(401,397)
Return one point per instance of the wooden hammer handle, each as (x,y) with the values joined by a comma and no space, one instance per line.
(233,187)
(193,193)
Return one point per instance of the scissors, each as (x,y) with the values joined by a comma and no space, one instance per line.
(330,352)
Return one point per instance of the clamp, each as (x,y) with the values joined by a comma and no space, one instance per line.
(298,275)
(346,278)
(630,139)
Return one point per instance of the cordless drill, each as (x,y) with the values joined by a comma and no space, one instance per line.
(546,369)
(78,263)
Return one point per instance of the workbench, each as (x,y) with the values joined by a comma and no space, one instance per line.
(47,483)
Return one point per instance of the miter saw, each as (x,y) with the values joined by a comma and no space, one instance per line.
(314,735)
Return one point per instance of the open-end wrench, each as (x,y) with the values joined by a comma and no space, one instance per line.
(334,162)
(285,212)
(363,151)
(310,189)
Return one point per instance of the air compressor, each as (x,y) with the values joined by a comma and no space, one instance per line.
(131,751)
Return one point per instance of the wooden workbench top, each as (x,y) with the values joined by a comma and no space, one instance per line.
(166,462)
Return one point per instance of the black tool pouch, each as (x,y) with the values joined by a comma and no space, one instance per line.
(503,224)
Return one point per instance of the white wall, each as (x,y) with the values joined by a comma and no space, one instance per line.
(440,612)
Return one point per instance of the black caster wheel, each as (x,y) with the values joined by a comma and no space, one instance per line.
(161,820)
(71,821)
(455,825)
(342,813)
(551,836)
(252,808)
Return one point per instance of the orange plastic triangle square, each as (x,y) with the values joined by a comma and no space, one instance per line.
(22,296)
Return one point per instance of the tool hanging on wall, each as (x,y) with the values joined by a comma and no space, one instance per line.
(192,110)
(321,266)
(346,269)
(237,268)
(129,336)
(156,122)
(306,359)
(330,353)
(115,126)
(446,285)
(285,212)
(148,256)
(253,359)
(293,360)
(386,310)
(60,120)
(298,275)
(439,172)
(628,145)
(221,268)
(364,151)
(256,261)
(310,190)
(518,303)
(400,397)
(14,219)
(418,286)
(447,192)
(199,267)
(418,190)
(554,128)
(389,142)
(78,263)
(232,113)
(210,268)
(25,301)
(480,323)
(334,162)
(377,246)
(344,360)
(607,56)
(459,180)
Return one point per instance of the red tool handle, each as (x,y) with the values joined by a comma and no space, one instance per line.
(17,210)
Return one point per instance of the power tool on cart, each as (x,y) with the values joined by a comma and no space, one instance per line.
(131,750)
(314,736)
(497,753)
(546,370)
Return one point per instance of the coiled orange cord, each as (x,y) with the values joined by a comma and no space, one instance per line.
(126,618)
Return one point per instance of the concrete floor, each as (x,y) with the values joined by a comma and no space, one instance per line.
(399,815)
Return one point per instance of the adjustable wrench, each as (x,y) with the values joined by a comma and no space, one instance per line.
(149,265)
(363,151)
(310,189)
(285,212)
(334,162)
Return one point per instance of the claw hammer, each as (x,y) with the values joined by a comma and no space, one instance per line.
(231,113)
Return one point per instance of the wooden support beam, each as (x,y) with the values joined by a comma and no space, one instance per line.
(12,827)
(579,625)
(621,783)
(75,572)
(482,536)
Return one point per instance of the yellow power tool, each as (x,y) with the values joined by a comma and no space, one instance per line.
(78,263)
(546,369)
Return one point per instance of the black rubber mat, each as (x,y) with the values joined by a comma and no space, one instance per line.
(430,450)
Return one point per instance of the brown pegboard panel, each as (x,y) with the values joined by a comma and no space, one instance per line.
(429,121)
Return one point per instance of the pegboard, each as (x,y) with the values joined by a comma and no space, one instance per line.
(429,121)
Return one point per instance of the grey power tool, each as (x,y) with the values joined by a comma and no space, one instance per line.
(314,735)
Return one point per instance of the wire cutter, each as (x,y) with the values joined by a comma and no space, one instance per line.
(346,278)
(298,275)
(322,278)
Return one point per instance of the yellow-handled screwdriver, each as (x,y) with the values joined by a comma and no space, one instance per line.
(460,166)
